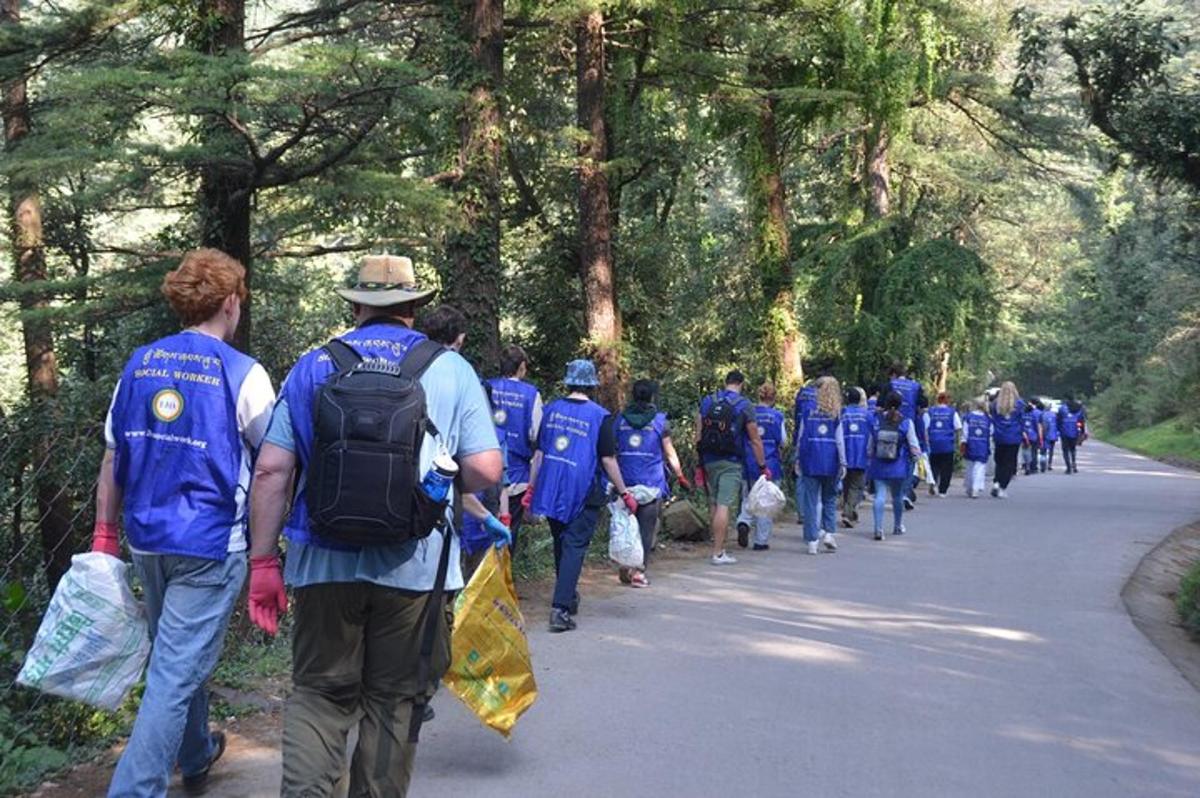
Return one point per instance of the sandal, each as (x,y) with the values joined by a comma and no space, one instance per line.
(638,579)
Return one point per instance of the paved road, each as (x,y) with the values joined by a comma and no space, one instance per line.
(987,653)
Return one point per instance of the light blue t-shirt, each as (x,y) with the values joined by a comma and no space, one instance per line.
(462,417)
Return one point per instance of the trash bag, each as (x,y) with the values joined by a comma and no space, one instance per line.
(490,669)
(924,471)
(94,641)
(766,499)
(624,537)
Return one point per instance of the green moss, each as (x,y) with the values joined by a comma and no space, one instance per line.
(1175,438)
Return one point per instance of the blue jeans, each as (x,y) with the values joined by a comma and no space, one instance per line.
(896,488)
(818,496)
(761,524)
(188,602)
(571,541)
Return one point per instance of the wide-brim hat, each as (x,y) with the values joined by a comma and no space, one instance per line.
(385,280)
(581,374)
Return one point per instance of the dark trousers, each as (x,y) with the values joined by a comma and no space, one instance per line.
(1069,445)
(1006,462)
(355,653)
(571,541)
(943,469)
(1048,450)
(852,492)
(647,518)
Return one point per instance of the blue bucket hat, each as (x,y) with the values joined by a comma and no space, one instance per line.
(581,373)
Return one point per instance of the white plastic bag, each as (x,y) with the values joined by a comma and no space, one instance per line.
(766,500)
(93,642)
(624,537)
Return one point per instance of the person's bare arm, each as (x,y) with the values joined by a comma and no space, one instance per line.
(481,470)
(696,430)
(535,465)
(756,446)
(269,497)
(613,469)
(108,492)
(473,507)
(672,457)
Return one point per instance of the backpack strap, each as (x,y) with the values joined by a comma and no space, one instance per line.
(343,355)
(420,358)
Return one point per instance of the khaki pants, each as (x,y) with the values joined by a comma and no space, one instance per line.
(355,651)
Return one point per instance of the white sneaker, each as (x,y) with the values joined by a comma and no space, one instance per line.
(812,547)
(830,541)
(1003,494)
(723,559)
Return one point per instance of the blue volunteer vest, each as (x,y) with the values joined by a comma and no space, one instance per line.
(806,403)
(513,414)
(872,404)
(640,453)
(741,407)
(923,432)
(977,429)
(1006,430)
(570,469)
(178,449)
(909,390)
(1068,422)
(1031,422)
(770,429)
(818,446)
(941,429)
(383,340)
(1049,426)
(901,467)
(856,432)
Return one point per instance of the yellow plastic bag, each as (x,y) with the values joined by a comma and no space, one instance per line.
(490,669)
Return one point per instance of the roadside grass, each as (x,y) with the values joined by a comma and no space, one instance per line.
(1188,601)
(1174,439)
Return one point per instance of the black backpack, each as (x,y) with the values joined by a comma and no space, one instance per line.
(887,441)
(718,430)
(363,483)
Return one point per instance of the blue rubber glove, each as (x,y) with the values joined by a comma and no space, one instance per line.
(501,535)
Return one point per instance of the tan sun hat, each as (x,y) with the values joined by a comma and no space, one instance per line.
(386,280)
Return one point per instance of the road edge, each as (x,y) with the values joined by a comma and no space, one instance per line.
(1148,598)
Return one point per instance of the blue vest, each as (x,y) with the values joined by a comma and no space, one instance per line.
(1006,430)
(872,404)
(909,390)
(1049,426)
(818,453)
(770,429)
(384,340)
(570,469)
(977,428)
(923,432)
(741,409)
(856,433)
(1068,422)
(513,401)
(806,403)
(1031,422)
(901,467)
(640,453)
(179,452)
(941,429)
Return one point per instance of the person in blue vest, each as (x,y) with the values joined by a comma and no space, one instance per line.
(644,451)
(976,448)
(821,461)
(891,474)
(1031,437)
(911,395)
(923,436)
(1049,438)
(518,415)
(576,443)
(725,430)
(856,432)
(772,433)
(804,404)
(359,610)
(945,428)
(1072,429)
(1007,414)
(186,417)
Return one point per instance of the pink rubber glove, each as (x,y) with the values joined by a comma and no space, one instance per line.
(683,481)
(630,502)
(268,599)
(106,539)
(766,472)
(527,498)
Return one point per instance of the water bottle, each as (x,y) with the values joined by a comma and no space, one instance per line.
(438,480)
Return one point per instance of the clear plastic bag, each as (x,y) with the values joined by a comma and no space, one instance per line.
(93,642)
(766,499)
(624,537)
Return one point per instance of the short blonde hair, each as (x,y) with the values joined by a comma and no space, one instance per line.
(766,393)
(204,279)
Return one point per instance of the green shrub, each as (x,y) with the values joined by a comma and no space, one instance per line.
(1188,601)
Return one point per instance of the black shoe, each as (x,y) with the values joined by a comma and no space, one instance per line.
(743,535)
(574,608)
(761,547)
(898,531)
(561,620)
(197,782)
(879,534)
(909,504)
(429,714)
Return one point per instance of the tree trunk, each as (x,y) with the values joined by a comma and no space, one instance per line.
(595,223)
(943,373)
(474,252)
(41,365)
(879,173)
(773,251)
(226,187)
